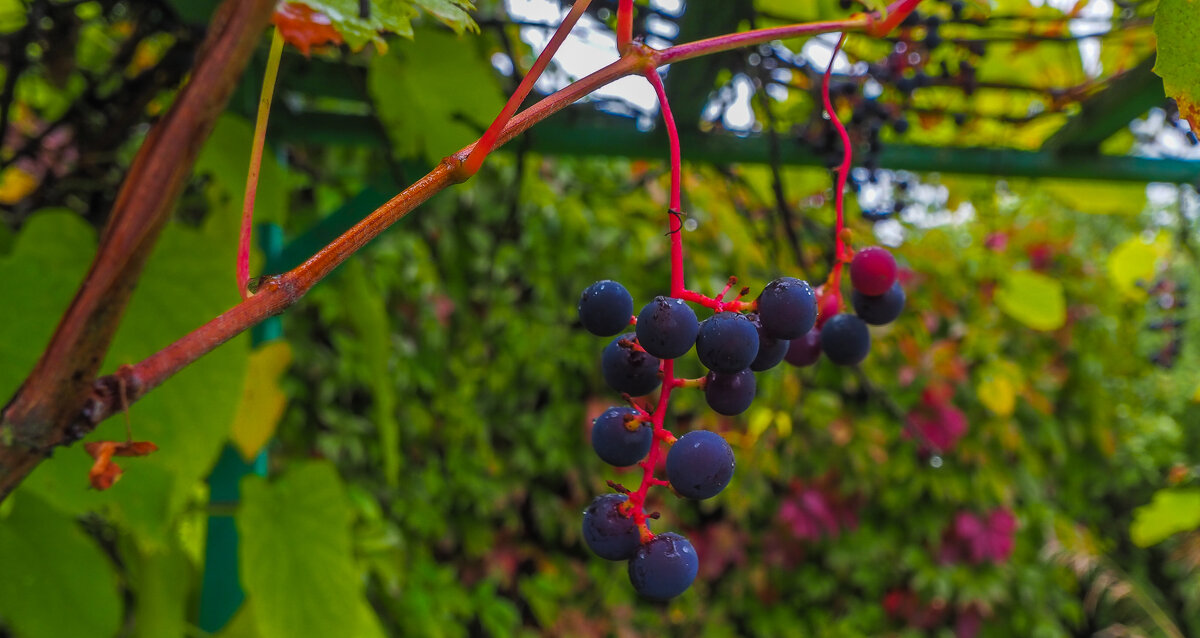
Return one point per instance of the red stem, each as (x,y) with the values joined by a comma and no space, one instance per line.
(256,150)
(839,195)
(674,219)
(624,25)
(486,143)
(732,41)
(715,304)
(637,499)
(896,13)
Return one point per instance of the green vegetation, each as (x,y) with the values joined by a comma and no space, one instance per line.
(1017,455)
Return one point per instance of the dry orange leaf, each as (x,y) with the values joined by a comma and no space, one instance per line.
(104,472)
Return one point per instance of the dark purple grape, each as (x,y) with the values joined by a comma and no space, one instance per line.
(770,350)
(730,394)
(700,464)
(608,532)
(873,270)
(879,310)
(845,339)
(727,342)
(667,327)
(605,308)
(627,369)
(787,308)
(615,443)
(664,568)
(805,350)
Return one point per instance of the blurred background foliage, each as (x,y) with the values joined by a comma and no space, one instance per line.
(1016,457)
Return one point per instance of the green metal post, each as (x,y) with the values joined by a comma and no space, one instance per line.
(221,593)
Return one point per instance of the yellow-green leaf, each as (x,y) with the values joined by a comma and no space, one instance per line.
(1169,512)
(1135,261)
(1033,299)
(263,402)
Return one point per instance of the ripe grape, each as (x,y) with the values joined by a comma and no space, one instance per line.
(664,568)
(607,531)
(805,350)
(879,310)
(667,327)
(729,394)
(770,350)
(627,369)
(873,270)
(727,342)
(845,339)
(787,308)
(605,308)
(615,443)
(700,464)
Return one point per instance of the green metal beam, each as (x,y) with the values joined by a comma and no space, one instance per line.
(554,140)
(566,135)
(1109,111)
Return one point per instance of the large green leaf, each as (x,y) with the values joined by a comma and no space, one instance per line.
(1177,29)
(188,280)
(452,13)
(162,577)
(57,582)
(1169,512)
(297,560)
(40,274)
(1033,299)
(435,95)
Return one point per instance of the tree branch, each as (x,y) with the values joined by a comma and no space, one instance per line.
(45,410)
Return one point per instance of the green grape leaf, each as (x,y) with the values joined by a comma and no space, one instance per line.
(1177,29)
(1033,299)
(435,96)
(297,558)
(452,13)
(391,16)
(47,261)
(1169,512)
(57,582)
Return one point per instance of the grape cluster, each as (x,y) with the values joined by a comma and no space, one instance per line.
(738,340)
(844,338)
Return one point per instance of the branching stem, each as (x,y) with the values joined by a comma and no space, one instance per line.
(54,407)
